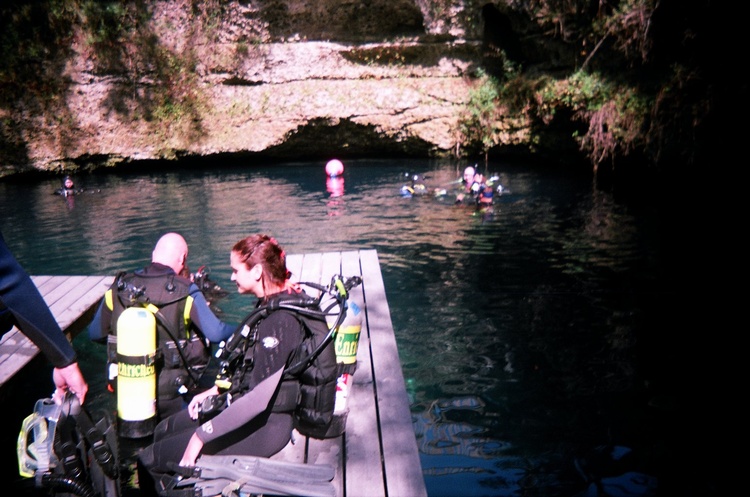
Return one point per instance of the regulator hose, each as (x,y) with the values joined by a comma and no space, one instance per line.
(64,483)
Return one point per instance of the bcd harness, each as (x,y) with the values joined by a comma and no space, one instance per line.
(308,387)
(61,447)
(180,360)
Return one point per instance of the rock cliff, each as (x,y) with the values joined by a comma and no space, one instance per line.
(628,87)
(280,79)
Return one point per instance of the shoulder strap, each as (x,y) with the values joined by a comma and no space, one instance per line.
(305,362)
(305,308)
(103,453)
(128,295)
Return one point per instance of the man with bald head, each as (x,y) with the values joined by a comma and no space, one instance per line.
(185,324)
(171,250)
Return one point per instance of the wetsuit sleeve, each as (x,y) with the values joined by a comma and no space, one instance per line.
(205,320)
(279,336)
(21,298)
(242,411)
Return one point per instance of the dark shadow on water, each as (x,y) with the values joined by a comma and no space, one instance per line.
(565,341)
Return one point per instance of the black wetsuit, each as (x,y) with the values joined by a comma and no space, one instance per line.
(248,426)
(21,304)
(171,293)
(68,192)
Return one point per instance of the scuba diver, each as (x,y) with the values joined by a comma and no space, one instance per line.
(416,186)
(486,190)
(179,321)
(468,188)
(477,190)
(278,372)
(464,188)
(68,188)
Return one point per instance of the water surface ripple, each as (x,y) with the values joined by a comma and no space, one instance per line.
(520,332)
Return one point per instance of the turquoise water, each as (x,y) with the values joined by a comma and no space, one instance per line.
(529,337)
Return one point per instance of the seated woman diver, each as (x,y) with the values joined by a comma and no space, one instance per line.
(252,408)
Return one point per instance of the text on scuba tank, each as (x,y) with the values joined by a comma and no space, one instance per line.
(346,347)
(136,370)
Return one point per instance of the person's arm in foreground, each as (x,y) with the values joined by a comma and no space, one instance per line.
(33,317)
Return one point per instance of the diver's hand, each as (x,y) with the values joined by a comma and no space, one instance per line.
(192,451)
(195,403)
(69,378)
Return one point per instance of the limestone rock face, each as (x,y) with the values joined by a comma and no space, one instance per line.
(280,79)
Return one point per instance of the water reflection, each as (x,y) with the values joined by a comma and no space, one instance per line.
(335,186)
(440,429)
(526,334)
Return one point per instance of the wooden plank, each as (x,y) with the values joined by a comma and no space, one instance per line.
(294,265)
(381,427)
(364,459)
(311,268)
(41,281)
(329,451)
(330,266)
(72,300)
(16,351)
(400,453)
(315,268)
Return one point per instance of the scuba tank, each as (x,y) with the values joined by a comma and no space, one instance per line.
(346,344)
(136,373)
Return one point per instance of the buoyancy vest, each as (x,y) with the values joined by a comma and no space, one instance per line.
(315,377)
(182,354)
(308,386)
(485,196)
(62,448)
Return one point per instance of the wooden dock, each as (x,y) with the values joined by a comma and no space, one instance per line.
(377,455)
(72,300)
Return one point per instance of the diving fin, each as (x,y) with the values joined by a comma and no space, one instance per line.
(252,486)
(248,475)
(263,467)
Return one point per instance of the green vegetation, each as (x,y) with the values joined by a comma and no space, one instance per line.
(480,123)
(629,82)
(37,39)
(627,100)
(616,115)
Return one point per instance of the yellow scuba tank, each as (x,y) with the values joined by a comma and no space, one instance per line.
(346,344)
(347,337)
(136,373)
